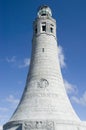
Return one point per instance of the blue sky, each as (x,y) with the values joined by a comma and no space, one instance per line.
(16,18)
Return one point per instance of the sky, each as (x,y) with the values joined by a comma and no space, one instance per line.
(16,30)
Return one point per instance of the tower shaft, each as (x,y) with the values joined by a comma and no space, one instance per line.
(44,103)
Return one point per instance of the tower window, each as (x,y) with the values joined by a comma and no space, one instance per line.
(42,49)
(43,14)
(44,27)
(35,29)
(51,28)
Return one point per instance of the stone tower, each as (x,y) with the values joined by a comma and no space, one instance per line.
(44,104)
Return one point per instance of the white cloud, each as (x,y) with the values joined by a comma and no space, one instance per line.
(3,109)
(5,112)
(3,119)
(73,90)
(81,100)
(61,57)
(12,99)
(1,128)
(11,60)
(26,63)
(70,88)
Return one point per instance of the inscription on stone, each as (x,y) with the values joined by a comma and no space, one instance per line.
(54,95)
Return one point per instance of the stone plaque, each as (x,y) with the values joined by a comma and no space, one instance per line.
(39,125)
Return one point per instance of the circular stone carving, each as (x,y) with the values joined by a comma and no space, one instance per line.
(43,83)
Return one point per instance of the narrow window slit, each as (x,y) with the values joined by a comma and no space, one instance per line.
(36,29)
(42,49)
(51,30)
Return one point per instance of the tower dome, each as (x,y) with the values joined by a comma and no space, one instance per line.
(44,11)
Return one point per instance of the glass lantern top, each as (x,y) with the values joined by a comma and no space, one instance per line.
(44,11)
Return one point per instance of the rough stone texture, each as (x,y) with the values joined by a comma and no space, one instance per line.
(44,104)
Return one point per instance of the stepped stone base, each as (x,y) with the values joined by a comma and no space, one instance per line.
(44,125)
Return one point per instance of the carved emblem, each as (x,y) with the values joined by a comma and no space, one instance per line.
(43,125)
(43,83)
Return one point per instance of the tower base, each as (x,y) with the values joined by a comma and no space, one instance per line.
(44,125)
